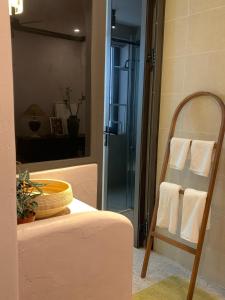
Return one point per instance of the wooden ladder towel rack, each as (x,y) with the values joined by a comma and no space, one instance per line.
(152,232)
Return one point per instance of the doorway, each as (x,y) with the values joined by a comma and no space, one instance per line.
(128,52)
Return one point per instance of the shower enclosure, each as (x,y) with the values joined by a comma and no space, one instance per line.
(121,129)
(121,108)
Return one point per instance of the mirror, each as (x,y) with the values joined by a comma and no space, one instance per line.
(51,45)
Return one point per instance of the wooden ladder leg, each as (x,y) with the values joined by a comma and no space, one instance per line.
(150,238)
(194,274)
(147,255)
(199,249)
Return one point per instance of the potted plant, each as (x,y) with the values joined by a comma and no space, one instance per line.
(26,192)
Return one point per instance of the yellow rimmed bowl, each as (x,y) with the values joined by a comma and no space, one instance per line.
(56,196)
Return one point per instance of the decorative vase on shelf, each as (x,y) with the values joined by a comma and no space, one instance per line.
(73,126)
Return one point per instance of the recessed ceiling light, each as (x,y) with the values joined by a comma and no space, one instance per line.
(113,21)
(76,30)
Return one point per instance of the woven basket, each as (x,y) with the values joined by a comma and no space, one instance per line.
(56,196)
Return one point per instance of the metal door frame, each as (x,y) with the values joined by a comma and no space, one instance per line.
(146,183)
(106,96)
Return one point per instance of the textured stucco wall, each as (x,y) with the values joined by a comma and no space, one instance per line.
(8,243)
(194,60)
(87,262)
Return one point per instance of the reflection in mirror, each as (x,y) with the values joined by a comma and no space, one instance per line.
(51,42)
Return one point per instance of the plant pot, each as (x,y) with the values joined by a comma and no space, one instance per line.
(73,126)
(28,219)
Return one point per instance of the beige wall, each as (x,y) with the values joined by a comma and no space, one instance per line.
(194,59)
(75,258)
(8,243)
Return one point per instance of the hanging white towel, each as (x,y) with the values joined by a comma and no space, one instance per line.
(201,157)
(178,152)
(192,213)
(168,206)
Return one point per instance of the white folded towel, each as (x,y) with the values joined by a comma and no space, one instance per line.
(168,206)
(201,157)
(178,152)
(192,213)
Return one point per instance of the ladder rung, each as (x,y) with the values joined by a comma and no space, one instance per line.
(174,243)
(213,147)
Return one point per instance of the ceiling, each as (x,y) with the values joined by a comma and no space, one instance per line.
(128,12)
(56,15)
(66,15)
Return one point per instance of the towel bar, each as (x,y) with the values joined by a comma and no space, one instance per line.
(174,242)
(191,143)
(181,192)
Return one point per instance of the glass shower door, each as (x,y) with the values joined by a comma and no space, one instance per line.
(120,130)
(124,81)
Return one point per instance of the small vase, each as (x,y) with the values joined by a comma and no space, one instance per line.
(73,126)
(30,218)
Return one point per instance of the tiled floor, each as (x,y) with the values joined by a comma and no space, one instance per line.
(161,267)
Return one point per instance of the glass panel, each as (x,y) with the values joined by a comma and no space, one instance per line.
(121,126)
(51,42)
